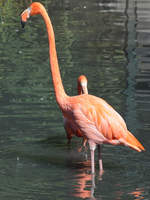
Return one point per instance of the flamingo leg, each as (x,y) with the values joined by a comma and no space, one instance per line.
(92,161)
(100,157)
(84,143)
(92,150)
(101,171)
(93,187)
(84,140)
(69,141)
(85,148)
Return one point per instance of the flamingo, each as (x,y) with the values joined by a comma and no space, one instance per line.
(93,116)
(82,89)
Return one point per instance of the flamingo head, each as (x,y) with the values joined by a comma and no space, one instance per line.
(34,9)
(82,85)
(24,16)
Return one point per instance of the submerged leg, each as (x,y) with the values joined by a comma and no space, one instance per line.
(93,187)
(92,150)
(100,160)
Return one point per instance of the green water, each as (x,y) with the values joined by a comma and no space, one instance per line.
(109,42)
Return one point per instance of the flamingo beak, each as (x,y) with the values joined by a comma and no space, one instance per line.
(23,24)
(24,16)
(84,90)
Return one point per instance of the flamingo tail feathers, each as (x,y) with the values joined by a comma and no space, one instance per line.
(133,143)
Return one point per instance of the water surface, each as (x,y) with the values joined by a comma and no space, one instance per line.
(109,42)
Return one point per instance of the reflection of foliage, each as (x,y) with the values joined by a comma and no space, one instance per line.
(18,76)
(24,67)
(97,47)
(87,43)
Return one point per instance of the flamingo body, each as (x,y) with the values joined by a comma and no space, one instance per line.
(99,122)
(92,116)
(68,125)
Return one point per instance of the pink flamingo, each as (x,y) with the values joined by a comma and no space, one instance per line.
(93,116)
(82,89)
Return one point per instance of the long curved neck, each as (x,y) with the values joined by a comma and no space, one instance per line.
(56,77)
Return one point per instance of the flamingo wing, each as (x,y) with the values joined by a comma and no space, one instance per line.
(102,124)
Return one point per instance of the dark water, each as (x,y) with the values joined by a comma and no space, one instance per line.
(109,42)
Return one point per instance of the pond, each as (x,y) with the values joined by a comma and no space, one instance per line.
(109,42)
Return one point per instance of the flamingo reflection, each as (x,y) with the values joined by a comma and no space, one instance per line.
(85,182)
(138,193)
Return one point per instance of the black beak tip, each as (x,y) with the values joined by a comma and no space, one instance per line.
(23,24)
